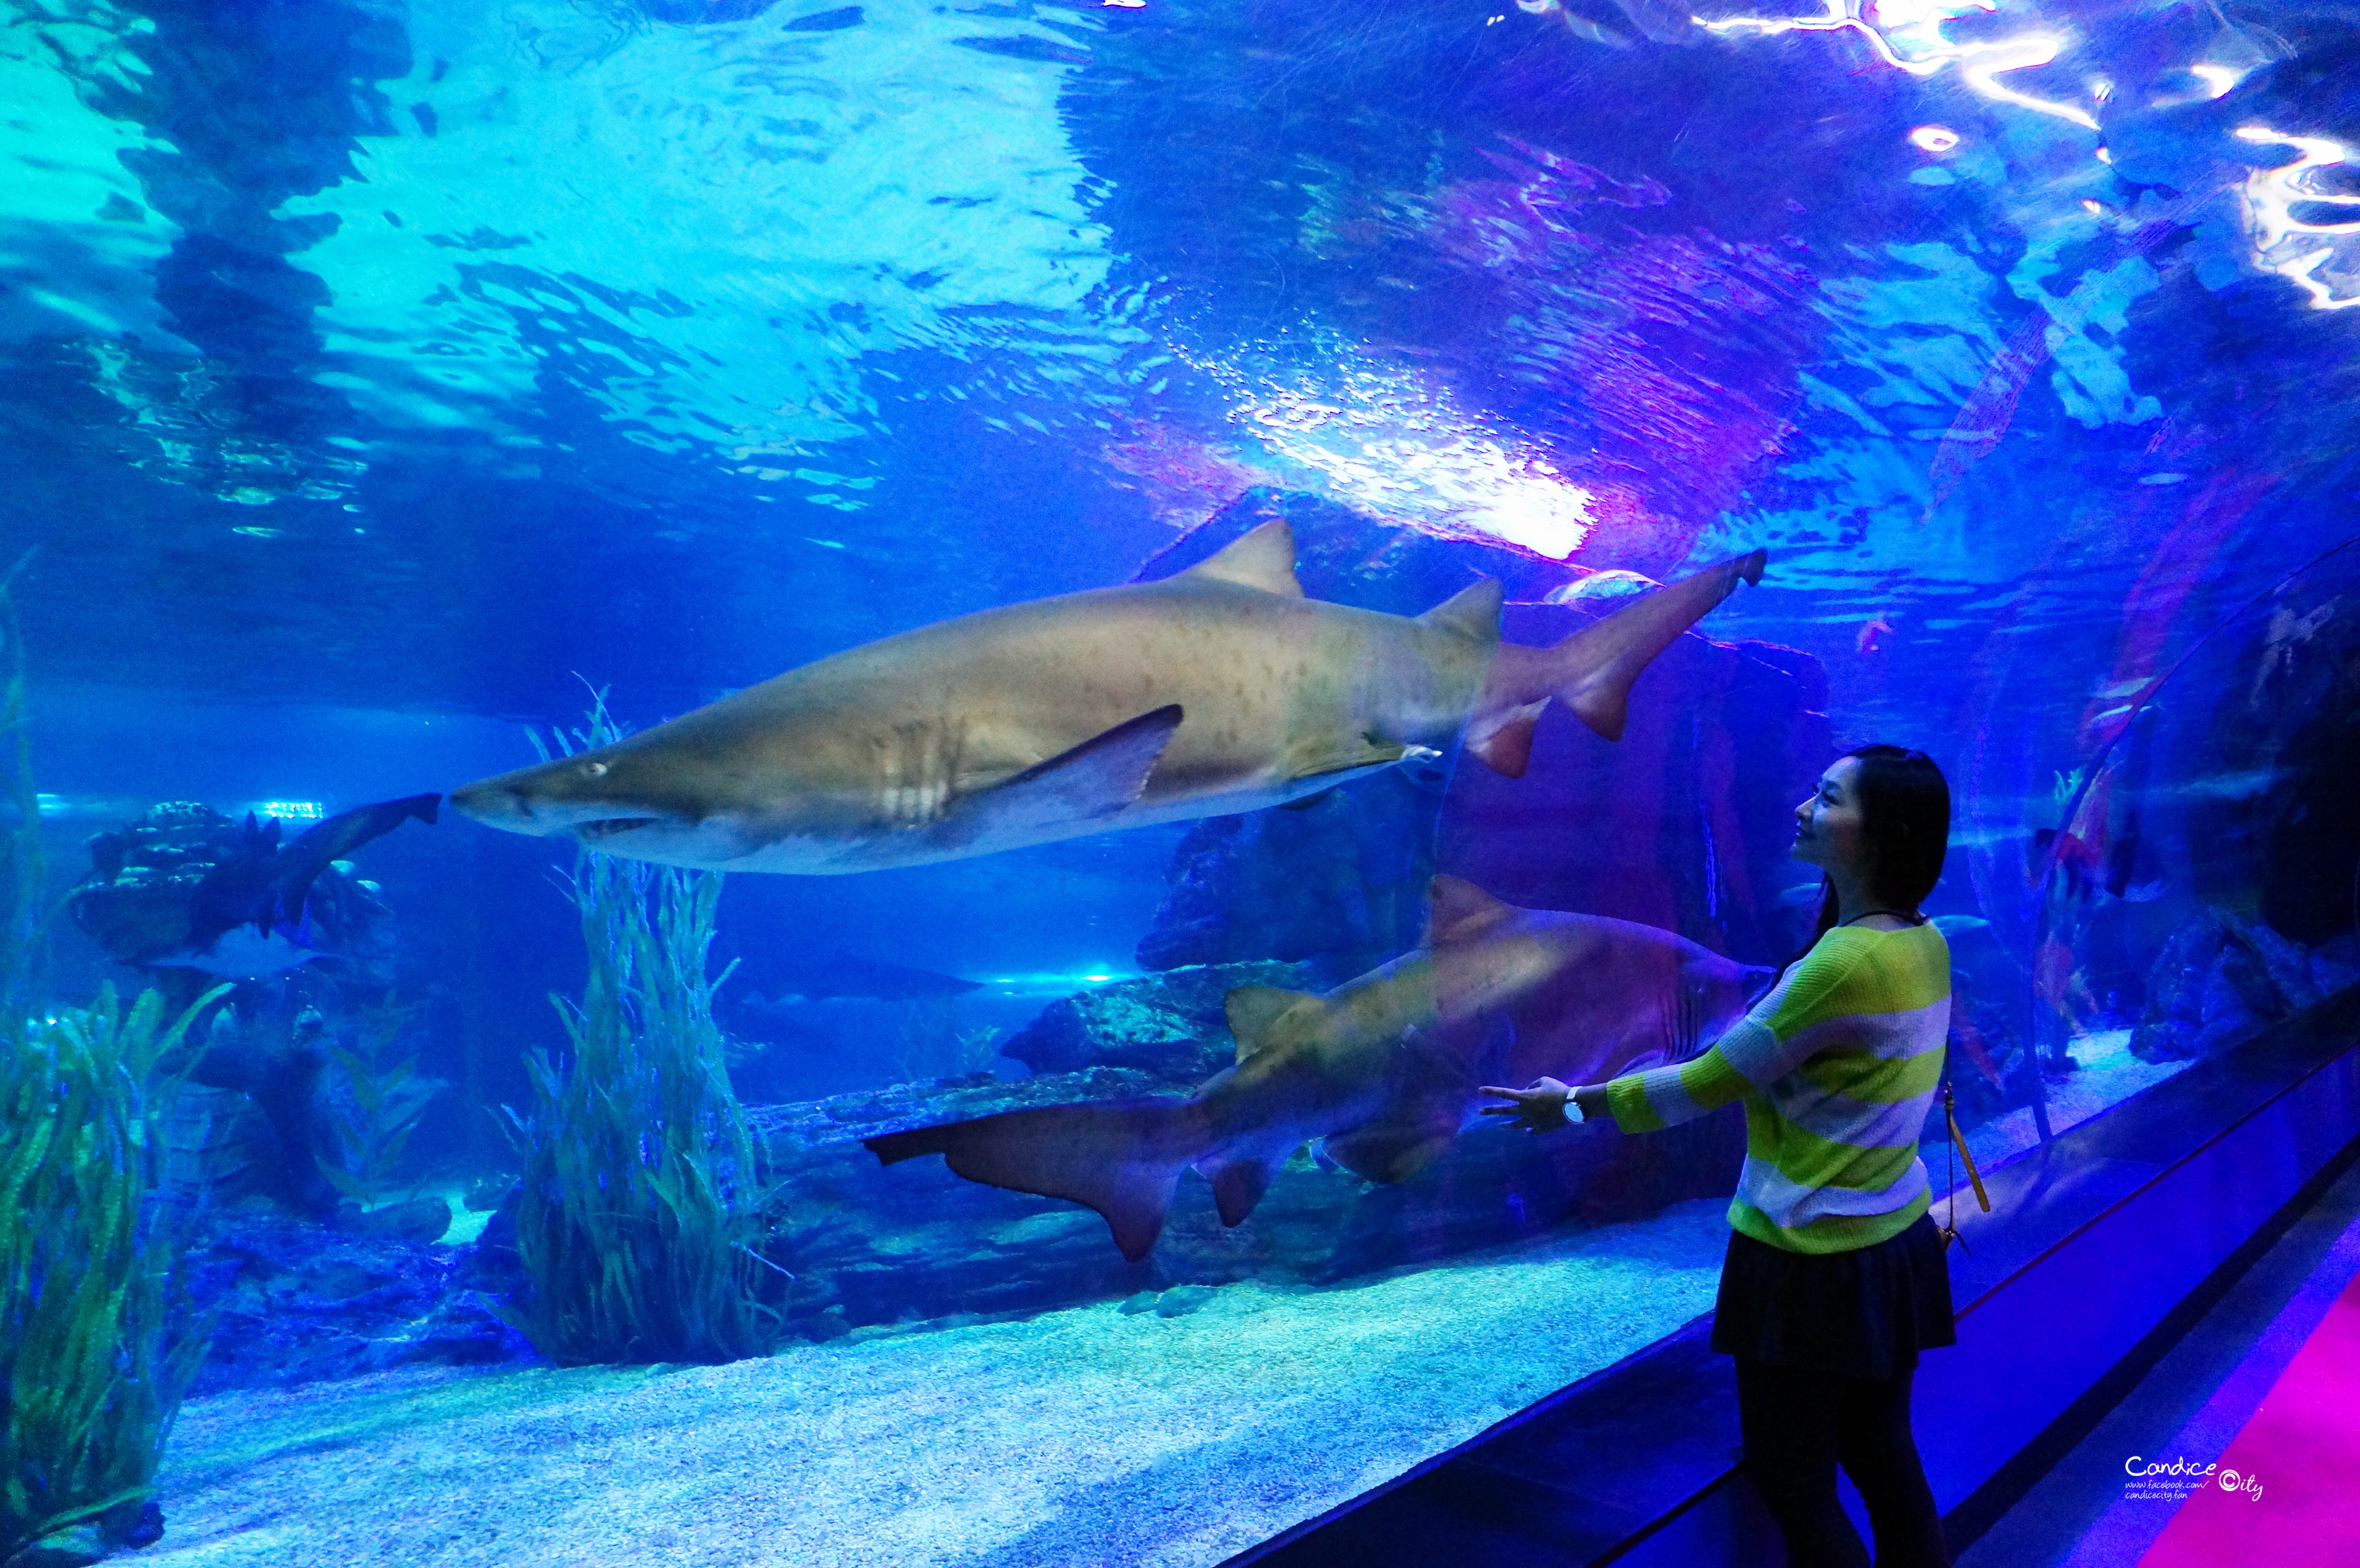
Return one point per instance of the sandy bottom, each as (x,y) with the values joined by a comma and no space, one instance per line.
(1077,1437)
(2106,1074)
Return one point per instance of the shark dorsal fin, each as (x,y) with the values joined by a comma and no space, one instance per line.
(1473,611)
(1459,910)
(1254,1012)
(1263,559)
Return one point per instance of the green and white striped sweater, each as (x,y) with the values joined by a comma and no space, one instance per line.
(1837,1067)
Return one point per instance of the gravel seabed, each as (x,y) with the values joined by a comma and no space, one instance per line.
(1079,1437)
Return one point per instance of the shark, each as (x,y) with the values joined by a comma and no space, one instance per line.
(1383,1071)
(1220,690)
(248,917)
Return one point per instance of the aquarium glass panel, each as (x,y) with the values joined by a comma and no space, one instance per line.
(845,734)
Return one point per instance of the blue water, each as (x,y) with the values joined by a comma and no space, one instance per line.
(377,380)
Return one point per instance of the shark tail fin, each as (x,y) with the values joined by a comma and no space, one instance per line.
(322,845)
(1592,671)
(1122,1158)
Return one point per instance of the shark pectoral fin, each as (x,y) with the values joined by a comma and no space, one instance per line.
(1263,559)
(1253,1012)
(1388,1151)
(1097,778)
(1473,611)
(1237,1186)
(1122,1158)
(1458,910)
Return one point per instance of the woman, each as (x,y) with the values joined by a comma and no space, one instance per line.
(1835,1278)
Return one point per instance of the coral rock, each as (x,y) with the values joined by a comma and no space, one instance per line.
(1170,1026)
(2217,981)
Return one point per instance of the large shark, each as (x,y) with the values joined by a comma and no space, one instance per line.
(1216,690)
(1384,1069)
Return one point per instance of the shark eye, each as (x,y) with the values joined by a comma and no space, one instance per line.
(595,769)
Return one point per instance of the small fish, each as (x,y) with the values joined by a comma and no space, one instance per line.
(1579,26)
(1601,585)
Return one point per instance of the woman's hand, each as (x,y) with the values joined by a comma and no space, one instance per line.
(1541,1108)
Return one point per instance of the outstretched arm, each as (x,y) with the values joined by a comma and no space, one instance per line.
(1773,1039)
(1542,1107)
(1769,1042)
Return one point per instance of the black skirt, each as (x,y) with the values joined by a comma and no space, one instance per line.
(1863,1313)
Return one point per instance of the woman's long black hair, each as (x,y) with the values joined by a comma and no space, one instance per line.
(1904,823)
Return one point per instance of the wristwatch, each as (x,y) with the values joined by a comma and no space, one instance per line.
(1573,1111)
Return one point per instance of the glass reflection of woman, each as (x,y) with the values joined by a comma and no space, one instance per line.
(1835,1278)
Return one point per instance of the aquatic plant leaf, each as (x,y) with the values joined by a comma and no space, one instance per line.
(344,1182)
(91,1293)
(390,1154)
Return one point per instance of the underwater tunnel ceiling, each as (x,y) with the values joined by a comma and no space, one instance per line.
(425,356)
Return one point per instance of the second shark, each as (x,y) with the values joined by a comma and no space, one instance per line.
(1384,1069)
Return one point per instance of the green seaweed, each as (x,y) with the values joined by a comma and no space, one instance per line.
(96,1342)
(96,1345)
(641,1223)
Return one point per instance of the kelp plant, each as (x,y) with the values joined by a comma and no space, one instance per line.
(641,1223)
(96,1342)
